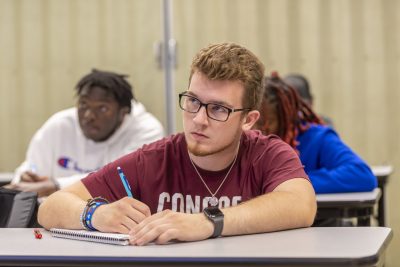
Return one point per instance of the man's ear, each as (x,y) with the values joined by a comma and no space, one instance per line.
(250,119)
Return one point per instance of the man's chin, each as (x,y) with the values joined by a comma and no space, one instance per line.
(93,137)
(197,151)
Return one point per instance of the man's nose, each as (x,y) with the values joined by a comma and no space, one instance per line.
(89,114)
(201,116)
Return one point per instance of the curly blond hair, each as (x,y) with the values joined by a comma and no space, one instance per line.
(230,61)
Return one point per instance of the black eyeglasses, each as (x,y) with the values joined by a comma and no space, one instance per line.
(216,112)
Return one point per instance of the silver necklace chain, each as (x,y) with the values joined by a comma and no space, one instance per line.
(213,200)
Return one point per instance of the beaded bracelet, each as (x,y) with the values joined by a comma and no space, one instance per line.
(82,218)
(89,215)
(90,208)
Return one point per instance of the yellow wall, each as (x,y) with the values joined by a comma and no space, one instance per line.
(349,49)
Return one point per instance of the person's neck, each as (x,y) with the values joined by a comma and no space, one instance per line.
(218,161)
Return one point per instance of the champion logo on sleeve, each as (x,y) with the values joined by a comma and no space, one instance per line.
(70,164)
(63,162)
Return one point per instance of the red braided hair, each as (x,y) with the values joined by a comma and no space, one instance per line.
(293,114)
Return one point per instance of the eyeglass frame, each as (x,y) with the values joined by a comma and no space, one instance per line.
(205,105)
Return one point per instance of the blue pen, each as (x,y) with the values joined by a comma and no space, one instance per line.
(125,182)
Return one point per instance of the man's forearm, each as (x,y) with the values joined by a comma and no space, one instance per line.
(274,211)
(63,208)
(54,212)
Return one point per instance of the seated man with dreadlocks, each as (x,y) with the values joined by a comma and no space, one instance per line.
(106,124)
(331,165)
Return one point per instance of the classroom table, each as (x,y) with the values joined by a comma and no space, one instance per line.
(316,246)
(382,173)
(339,206)
(6,177)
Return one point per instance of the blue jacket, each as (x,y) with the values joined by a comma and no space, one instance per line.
(331,165)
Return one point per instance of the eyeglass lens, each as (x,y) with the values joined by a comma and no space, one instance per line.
(214,111)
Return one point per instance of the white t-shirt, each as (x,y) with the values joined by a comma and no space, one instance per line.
(60,150)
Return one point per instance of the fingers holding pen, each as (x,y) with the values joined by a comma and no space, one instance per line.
(135,212)
(120,216)
(139,206)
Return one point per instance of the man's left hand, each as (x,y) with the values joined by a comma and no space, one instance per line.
(168,225)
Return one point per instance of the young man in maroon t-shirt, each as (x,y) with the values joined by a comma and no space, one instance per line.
(189,186)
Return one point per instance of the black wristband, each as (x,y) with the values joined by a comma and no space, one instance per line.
(215,215)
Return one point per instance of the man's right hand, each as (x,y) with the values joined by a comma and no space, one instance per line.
(120,216)
(32,177)
(31,182)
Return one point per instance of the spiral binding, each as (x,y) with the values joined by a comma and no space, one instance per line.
(92,236)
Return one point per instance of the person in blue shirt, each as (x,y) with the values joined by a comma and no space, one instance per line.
(331,165)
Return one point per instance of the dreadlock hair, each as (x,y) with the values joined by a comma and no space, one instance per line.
(113,83)
(294,115)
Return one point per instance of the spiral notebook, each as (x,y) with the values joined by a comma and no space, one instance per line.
(92,236)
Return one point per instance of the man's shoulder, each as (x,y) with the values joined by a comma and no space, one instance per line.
(257,146)
(172,142)
(62,119)
(170,148)
(62,124)
(140,121)
(68,114)
(256,138)
(139,113)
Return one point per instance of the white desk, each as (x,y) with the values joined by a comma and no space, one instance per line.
(382,173)
(382,170)
(358,205)
(331,246)
(360,198)
(6,177)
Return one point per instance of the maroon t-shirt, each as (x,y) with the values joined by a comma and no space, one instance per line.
(161,174)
